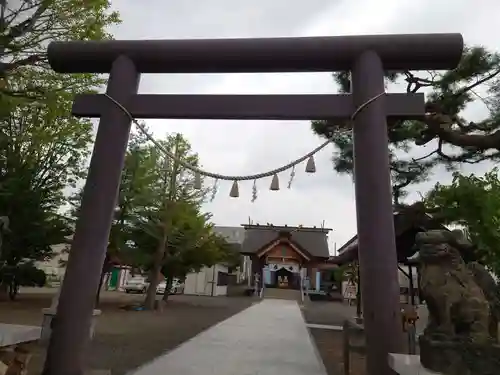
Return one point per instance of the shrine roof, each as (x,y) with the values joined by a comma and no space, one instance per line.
(313,240)
(407,223)
(233,235)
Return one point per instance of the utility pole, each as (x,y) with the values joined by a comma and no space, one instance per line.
(169,193)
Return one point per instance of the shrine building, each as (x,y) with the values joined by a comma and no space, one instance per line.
(283,256)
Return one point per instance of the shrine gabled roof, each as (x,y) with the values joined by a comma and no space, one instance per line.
(403,221)
(313,240)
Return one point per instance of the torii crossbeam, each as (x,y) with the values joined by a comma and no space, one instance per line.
(367,57)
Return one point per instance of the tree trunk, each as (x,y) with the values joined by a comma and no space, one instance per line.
(149,303)
(105,268)
(168,286)
(107,277)
(101,281)
(13,289)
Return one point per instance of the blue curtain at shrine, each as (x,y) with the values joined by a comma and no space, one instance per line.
(267,276)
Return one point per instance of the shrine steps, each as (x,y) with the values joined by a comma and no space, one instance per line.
(286,294)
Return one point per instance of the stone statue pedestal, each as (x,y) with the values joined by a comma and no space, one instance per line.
(459,357)
(48,317)
(408,364)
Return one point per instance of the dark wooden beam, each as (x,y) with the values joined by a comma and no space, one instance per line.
(249,107)
(310,54)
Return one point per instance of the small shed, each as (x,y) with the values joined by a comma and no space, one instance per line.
(210,281)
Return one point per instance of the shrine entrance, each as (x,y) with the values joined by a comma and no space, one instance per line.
(365,111)
(284,279)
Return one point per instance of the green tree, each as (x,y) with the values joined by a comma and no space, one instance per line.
(35,167)
(171,186)
(43,150)
(191,244)
(26,27)
(472,202)
(139,180)
(449,138)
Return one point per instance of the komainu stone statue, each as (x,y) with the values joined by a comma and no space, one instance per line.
(492,293)
(458,338)
(457,305)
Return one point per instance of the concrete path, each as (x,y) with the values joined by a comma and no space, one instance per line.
(268,338)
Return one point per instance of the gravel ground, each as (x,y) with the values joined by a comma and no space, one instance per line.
(329,342)
(124,340)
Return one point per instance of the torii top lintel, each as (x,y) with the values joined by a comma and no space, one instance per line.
(305,54)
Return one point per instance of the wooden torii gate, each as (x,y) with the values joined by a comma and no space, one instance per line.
(367,57)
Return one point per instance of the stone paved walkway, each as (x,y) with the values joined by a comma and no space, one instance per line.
(268,338)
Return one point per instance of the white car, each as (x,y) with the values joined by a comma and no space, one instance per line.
(160,288)
(136,285)
(176,288)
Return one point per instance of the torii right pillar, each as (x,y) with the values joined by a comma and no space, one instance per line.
(377,254)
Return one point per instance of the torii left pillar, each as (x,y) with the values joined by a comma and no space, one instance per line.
(92,229)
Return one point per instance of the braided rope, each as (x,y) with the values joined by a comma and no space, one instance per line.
(218,176)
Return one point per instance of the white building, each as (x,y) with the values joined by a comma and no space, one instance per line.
(210,281)
(213,281)
(235,236)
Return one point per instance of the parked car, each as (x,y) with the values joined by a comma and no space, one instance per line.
(160,289)
(176,288)
(136,285)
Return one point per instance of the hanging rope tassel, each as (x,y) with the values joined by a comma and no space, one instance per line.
(254,191)
(215,188)
(292,176)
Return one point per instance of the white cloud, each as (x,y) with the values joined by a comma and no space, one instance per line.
(247,147)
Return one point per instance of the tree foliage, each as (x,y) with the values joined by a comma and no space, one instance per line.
(472,202)
(449,138)
(26,28)
(191,243)
(43,149)
(170,235)
(158,225)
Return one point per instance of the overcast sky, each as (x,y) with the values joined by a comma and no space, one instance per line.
(247,147)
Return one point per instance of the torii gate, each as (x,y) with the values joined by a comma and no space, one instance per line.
(367,57)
